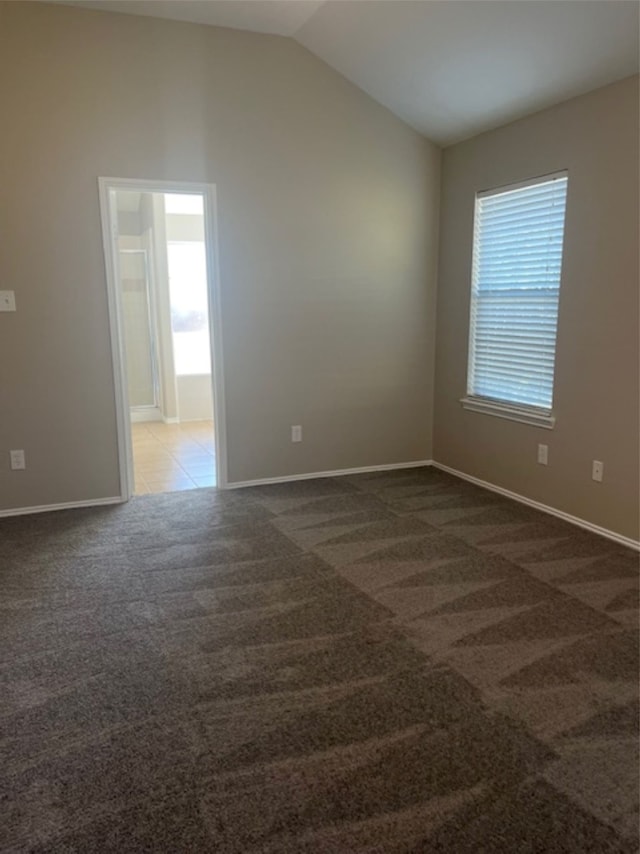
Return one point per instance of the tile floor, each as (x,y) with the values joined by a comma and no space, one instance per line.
(173,457)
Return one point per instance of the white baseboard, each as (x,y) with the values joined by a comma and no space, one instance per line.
(545,508)
(265,481)
(175,420)
(537,505)
(67,505)
(140,415)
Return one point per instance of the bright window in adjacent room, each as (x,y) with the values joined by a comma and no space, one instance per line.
(189,307)
(515,288)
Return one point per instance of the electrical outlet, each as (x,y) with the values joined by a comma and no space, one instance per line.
(296,433)
(543,454)
(597,470)
(7,301)
(17,460)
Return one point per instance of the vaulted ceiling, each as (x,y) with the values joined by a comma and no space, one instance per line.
(452,68)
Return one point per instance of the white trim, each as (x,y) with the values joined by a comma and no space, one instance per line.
(537,505)
(265,481)
(140,414)
(108,217)
(65,505)
(215,332)
(519,185)
(545,508)
(512,412)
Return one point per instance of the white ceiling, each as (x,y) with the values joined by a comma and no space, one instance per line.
(449,68)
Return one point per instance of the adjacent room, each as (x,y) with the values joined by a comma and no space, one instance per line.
(160,282)
(319,426)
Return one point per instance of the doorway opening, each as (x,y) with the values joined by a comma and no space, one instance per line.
(160,254)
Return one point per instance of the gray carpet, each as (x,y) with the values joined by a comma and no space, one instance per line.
(394,663)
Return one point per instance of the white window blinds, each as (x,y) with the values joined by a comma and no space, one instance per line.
(517,258)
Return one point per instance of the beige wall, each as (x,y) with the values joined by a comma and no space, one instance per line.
(327,228)
(195,400)
(185,227)
(129,223)
(595,137)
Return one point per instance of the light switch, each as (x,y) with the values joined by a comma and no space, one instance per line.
(7,300)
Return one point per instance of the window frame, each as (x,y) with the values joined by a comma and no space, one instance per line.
(514,411)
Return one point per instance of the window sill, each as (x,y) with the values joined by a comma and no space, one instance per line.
(523,414)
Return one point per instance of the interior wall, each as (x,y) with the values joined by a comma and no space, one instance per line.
(596,401)
(136,327)
(155,242)
(129,223)
(187,227)
(195,399)
(327,234)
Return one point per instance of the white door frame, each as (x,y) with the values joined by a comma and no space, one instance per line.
(112,265)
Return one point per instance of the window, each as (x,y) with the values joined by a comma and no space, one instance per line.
(189,307)
(184,203)
(517,259)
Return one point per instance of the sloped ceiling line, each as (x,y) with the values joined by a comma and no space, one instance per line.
(449,68)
